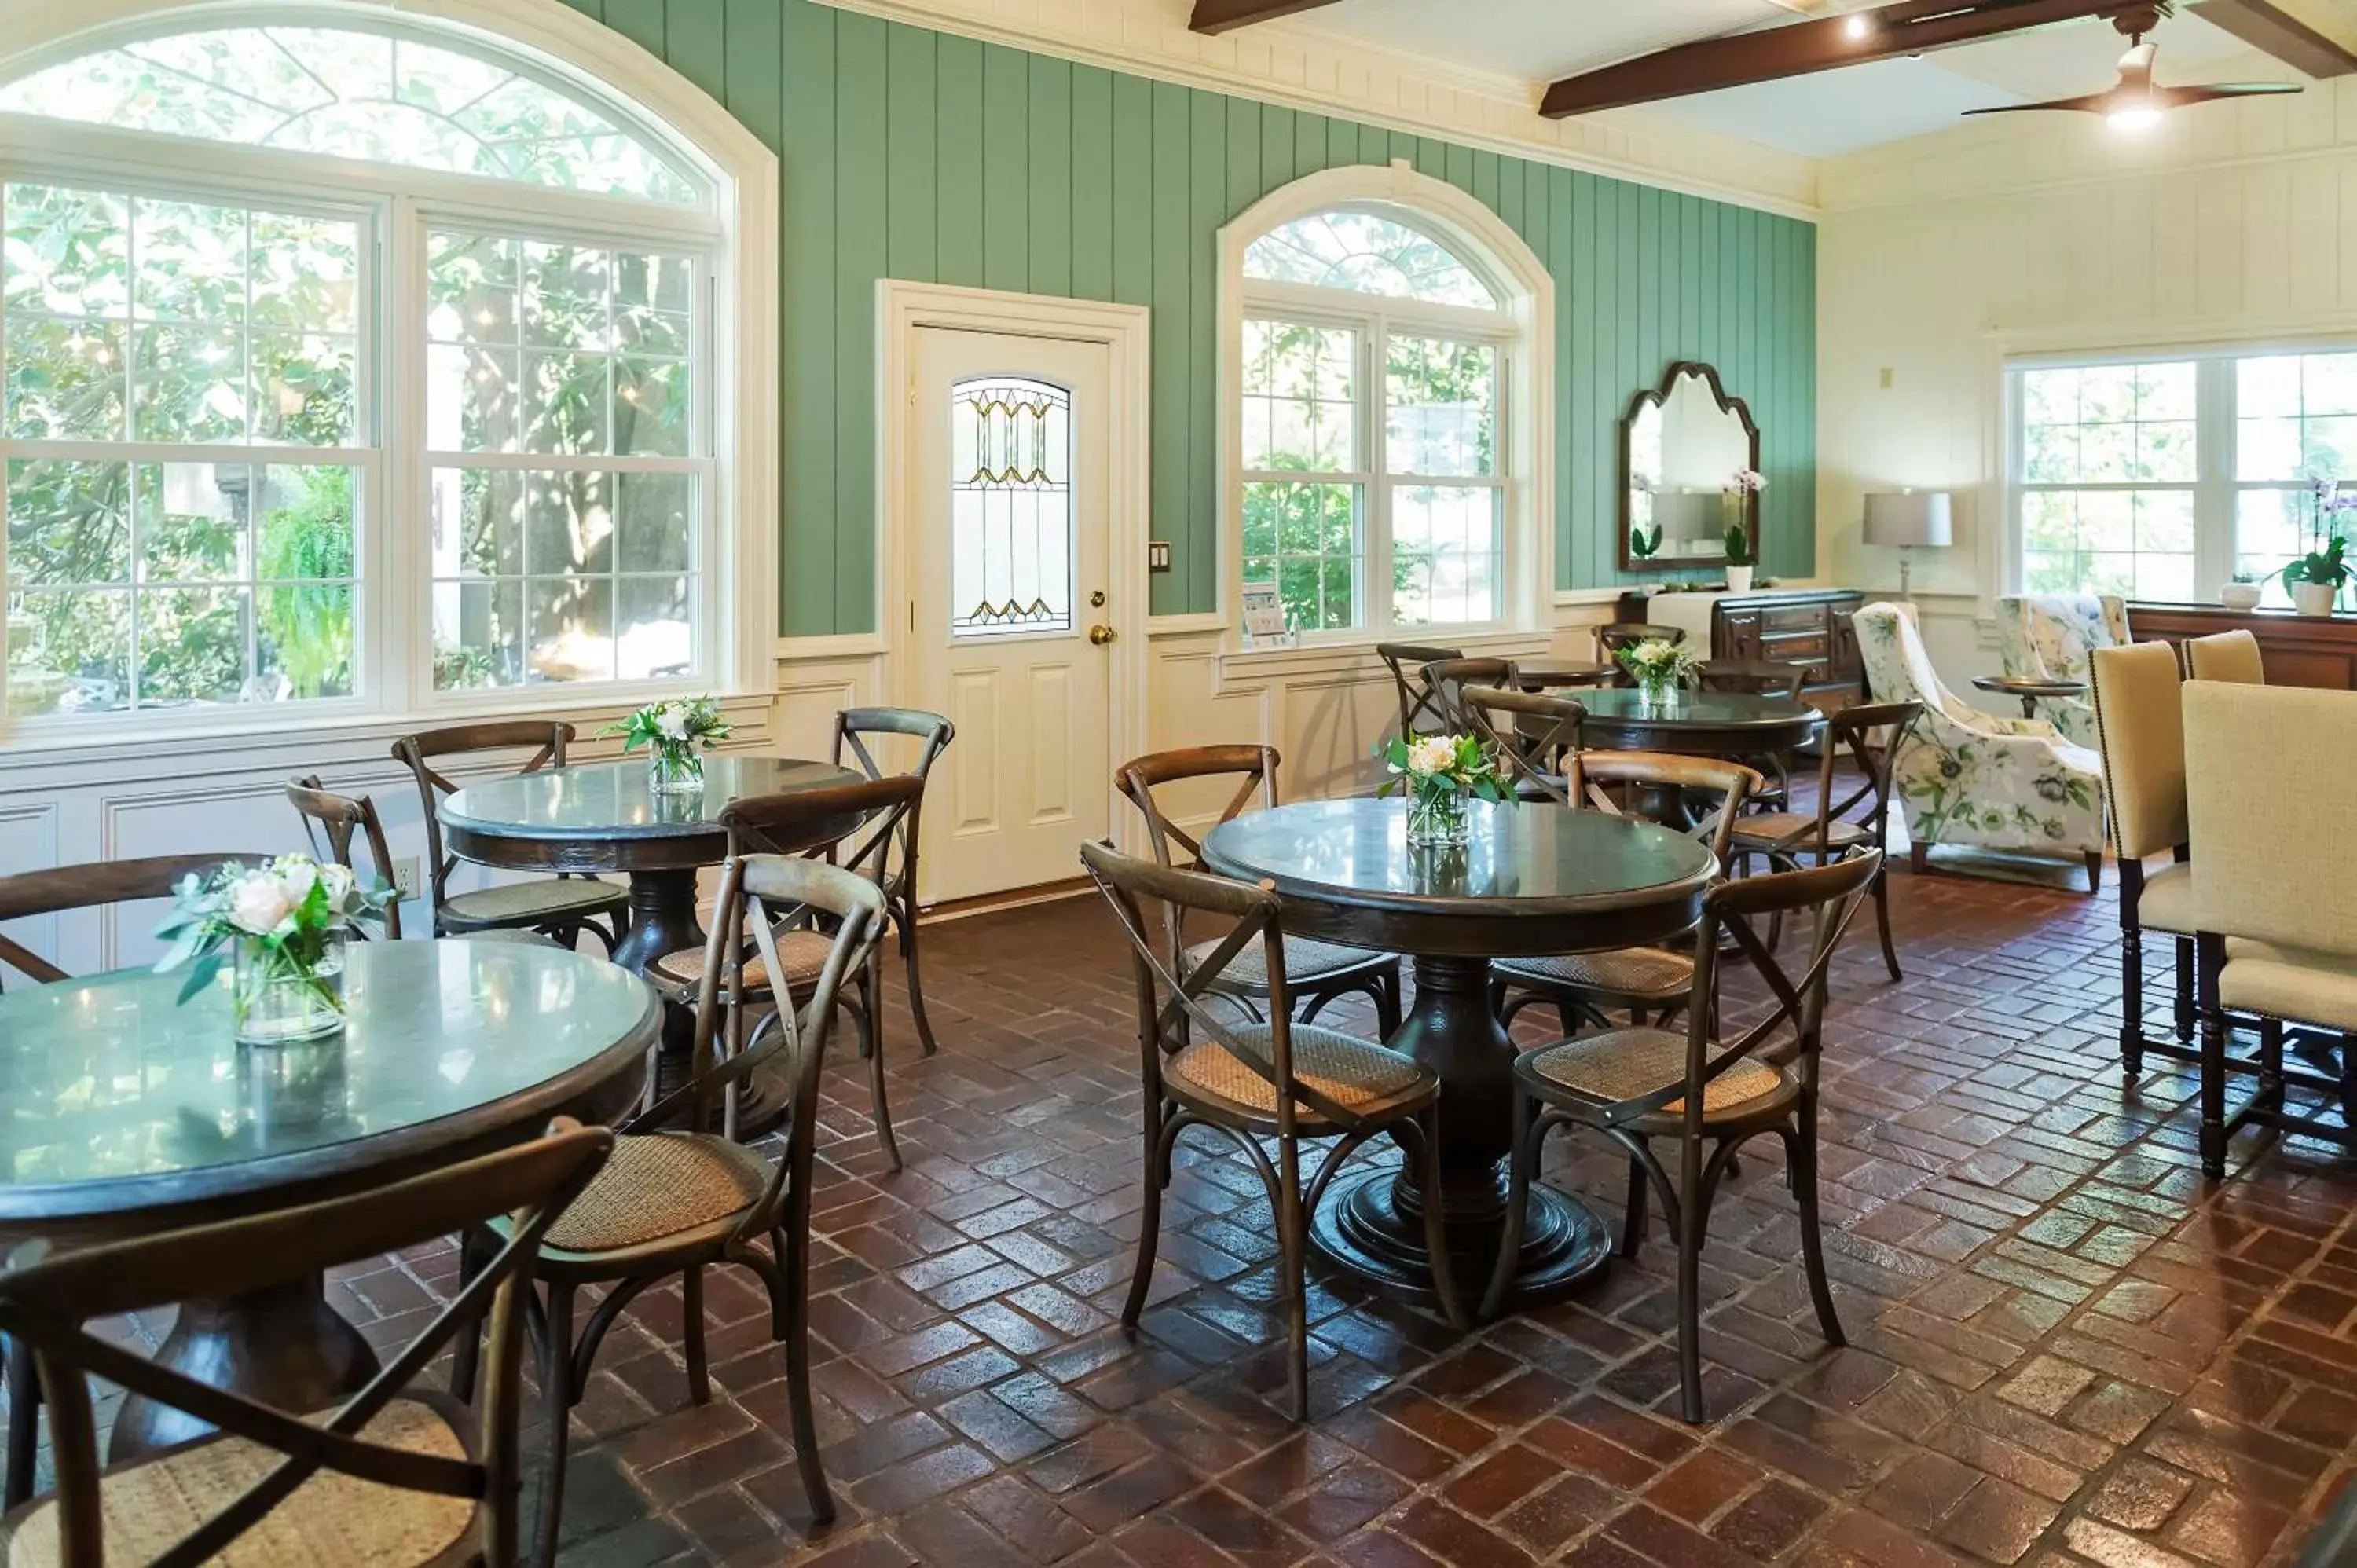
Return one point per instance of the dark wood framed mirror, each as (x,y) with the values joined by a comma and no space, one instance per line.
(1682,445)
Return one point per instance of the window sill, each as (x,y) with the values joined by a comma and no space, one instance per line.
(1357,655)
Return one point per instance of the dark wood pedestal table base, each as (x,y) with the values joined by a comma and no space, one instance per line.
(1533,880)
(126,1112)
(605,817)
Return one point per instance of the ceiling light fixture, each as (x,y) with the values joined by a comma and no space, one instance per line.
(1856,27)
(2136,102)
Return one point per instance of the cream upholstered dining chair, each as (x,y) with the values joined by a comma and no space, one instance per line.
(2267,797)
(2048,636)
(2141,722)
(2226,656)
(1969,778)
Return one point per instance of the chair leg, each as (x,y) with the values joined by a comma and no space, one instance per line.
(1632,1227)
(23,1420)
(1882,921)
(793,1265)
(1291,1241)
(871,1034)
(1919,856)
(474,1249)
(916,985)
(1800,1147)
(1387,1002)
(699,1378)
(2185,991)
(2213,1058)
(1522,1162)
(2094,858)
(2131,1002)
(1692,1217)
(556,1401)
(1149,1216)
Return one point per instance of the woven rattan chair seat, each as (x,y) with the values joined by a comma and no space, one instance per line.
(658,1184)
(331,1520)
(804,952)
(1794,831)
(1624,972)
(1622,1065)
(514,936)
(1347,1070)
(523,903)
(1305,961)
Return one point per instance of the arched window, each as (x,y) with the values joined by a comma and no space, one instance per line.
(1385,374)
(347,363)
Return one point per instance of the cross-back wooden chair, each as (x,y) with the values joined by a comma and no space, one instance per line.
(1315,973)
(1277,1080)
(1534,734)
(1636,1085)
(676,1199)
(27,896)
(560,906)
(1872,734)
(1447,678)
(389,1477)
(1582,986)
(1406,660)
(932,733)
(856,826)
(337,824)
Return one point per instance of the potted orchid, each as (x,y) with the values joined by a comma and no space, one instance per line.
(282,925)
(676,733)
(1439,773)
(1739,559)
(1659,667)
(1734,503)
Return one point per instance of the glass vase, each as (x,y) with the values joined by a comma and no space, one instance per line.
(277,999)
(675,770)
(1438,817)
(1657,692)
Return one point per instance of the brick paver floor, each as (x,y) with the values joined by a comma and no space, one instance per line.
(2065,1347)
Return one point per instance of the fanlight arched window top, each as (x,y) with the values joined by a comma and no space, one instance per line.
(379,97)
(1366,252)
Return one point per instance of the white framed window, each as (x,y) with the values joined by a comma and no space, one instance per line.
(2159,476)
(352,368)
(1385,400)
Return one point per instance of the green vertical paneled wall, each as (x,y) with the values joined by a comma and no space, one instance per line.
(921,156)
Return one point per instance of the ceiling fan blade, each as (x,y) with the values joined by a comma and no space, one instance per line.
(2089,103)
(2211,92)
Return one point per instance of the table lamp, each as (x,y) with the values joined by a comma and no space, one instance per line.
(1906,519)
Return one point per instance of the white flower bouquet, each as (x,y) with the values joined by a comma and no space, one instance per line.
(675,734)
(1439,774)
(1659,667)
(283,923)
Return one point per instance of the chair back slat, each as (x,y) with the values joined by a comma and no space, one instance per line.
(1447,678)
(1727,784)
(1406,660)
(1532,734)
(96,885)
(1171,995)
(932,733)
(1870,734)
(543,741)
(45,1299)
(1141,779)
(333,821)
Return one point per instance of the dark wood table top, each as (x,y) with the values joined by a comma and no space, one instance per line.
(121,1102)
(604,816)
(1533,879)
(2024,686)
(1703,723)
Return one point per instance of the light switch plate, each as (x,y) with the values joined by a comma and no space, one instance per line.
(1157,556)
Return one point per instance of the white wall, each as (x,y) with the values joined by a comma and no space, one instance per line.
(1937,257)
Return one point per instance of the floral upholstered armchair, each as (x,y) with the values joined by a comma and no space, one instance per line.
(1965,777)
(2048,637)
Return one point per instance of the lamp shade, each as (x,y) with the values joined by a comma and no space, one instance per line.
(1908,516)
(1687,514)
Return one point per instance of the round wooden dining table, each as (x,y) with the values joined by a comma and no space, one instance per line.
(1696,724)
(128,1111)
(1533,880)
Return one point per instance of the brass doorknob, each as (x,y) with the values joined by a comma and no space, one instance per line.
(1102,634)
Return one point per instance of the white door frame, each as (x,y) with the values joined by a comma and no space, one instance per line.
(901,308)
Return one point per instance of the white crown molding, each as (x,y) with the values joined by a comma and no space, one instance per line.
(1300,66)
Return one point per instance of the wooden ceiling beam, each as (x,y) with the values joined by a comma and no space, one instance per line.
(1799,49)
(1225,15)
(2305,35)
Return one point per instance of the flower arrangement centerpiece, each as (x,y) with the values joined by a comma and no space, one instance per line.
(676,734)
(1438,773)
(1660,668)
(281,926)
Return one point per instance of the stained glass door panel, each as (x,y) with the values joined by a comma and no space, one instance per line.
(1011,507)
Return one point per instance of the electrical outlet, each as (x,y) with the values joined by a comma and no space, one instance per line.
(406,873)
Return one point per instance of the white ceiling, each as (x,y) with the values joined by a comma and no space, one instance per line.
(1817,116)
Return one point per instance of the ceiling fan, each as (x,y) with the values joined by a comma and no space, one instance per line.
(2136,100)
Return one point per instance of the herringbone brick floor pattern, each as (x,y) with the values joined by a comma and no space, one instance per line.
(2065,1347)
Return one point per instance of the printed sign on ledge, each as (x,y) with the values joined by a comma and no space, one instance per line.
(1263,615)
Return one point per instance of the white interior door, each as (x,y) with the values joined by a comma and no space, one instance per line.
(1012,619)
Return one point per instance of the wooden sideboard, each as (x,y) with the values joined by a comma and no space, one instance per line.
(2298,650)
(1808,627)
